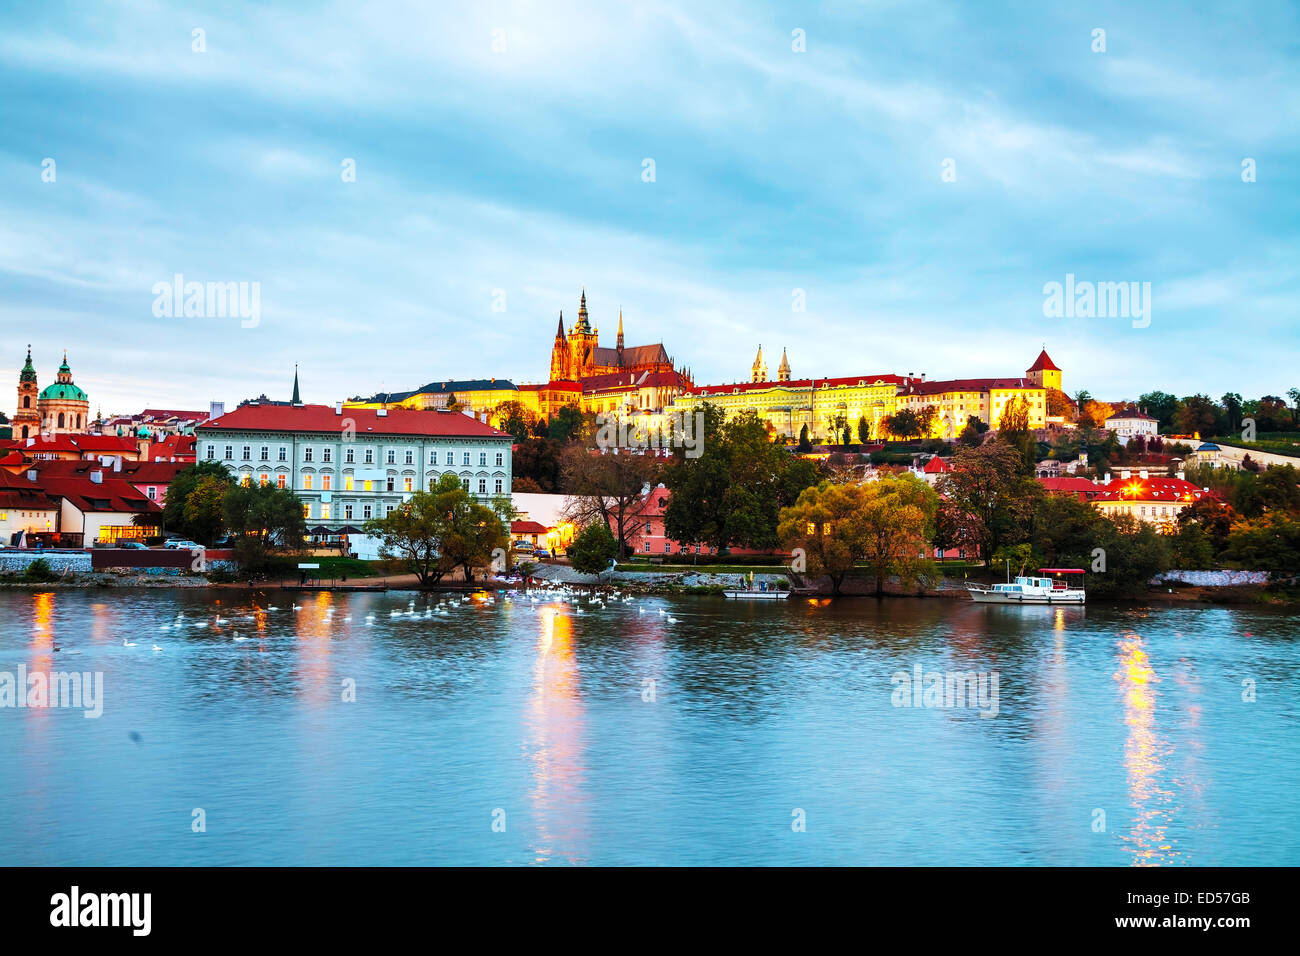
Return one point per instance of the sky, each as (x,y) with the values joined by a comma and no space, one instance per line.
(418,189)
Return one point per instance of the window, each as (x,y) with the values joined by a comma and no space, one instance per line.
(388,486)
(464,483)
(347,482)
(465,458)
(388,510)
(284,454)
(325,481)
(327,454)
(407,483)
(266,453)
(263,479)
(152,493)
(306,482)
(482,458)
(347,512)
(246,481)
(500,459)
(281,481)
(248,453)
(482,486)
(368,486)
(410,457)
(647,527)
(366,511)
(392,457)
(230,452)
(433,458)
(370,456)
(306,511)
(325,512)
(647,546)
(306,454)
(212,451)
(451,458)
(498,486)
(350,456)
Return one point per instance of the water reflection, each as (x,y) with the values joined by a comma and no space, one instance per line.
(554,742)
(1144,753)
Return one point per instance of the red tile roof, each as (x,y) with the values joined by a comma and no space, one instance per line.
(1157,489)
(160,413)
(80,444)
(1043,363)
(136,472)
(528,527)
(558,386)
(322,419)
(1130,413)
(1080,487)
(965,385)
(110,495)
(936,465)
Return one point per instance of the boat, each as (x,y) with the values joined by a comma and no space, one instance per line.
(1049,586)
(747,595)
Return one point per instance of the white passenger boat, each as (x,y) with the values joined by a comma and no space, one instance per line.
(743,595)
(1040,589)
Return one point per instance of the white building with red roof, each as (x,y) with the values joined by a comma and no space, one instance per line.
(1130,423)
(348,465)
(1156,499)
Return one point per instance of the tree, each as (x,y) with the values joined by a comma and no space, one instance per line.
(988,483)
(1232,411)
(1093,414)
(566,423)
(885,524)
(864,430)
(1161,406)
(204,521)
(539,459)
(610,487)
(1014,431)
(733,491)
(514,418)
(593,549)
(1059,404)
(903,424)
(414,531)
(1198,415)
(263,518)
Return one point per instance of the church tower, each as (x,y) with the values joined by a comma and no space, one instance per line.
(759,371)
(783,373)
(64,408)
(582,341)
(27,420)
(1044,372)
(560,354)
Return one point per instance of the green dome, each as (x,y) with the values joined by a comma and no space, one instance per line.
(65,392)
(143,433)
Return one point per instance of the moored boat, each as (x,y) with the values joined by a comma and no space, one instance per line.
(1049,586)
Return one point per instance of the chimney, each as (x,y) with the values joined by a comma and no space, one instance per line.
(216,409)
(338,408)
(97,477)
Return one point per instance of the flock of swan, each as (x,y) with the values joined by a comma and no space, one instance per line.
(546,597)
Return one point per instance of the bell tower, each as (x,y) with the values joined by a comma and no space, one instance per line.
(27,419)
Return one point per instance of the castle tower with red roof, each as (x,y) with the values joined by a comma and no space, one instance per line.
(1044,372)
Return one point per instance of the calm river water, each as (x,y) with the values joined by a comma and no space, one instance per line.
(711,733)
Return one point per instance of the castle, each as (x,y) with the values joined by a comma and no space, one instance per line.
(579,355)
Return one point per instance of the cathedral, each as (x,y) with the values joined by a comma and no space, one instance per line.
(60,409)
(579,355)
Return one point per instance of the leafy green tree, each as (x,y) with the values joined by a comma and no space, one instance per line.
(864,430)
(1014,431)
(608,487)
(1232,411)
(1270,542)
(1161,406)
(205,519)
(1198,415)
(514,418)
(540,459)
(988,483)
(566,423)
(593,549)
(414,532)
(263,518)
(732,492)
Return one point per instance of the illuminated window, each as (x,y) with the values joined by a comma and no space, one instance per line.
(325,512)
(246,481)
(347,482)
(369,486)
(325,481)
(407,484)
(306,482)
(281,481)
(263,479)
(306,511)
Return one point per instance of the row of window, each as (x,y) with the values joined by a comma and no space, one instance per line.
(390,485)
(366,510)
(349,455)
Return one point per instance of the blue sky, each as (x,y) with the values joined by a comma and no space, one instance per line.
(521,170)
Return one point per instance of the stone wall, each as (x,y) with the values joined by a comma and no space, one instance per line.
(16,562)
(1214,579)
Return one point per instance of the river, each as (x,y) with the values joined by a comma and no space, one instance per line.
(649,731)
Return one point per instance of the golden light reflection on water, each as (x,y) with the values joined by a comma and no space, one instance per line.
(554,744)
(42,645)
(1144,754)
(311,626)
